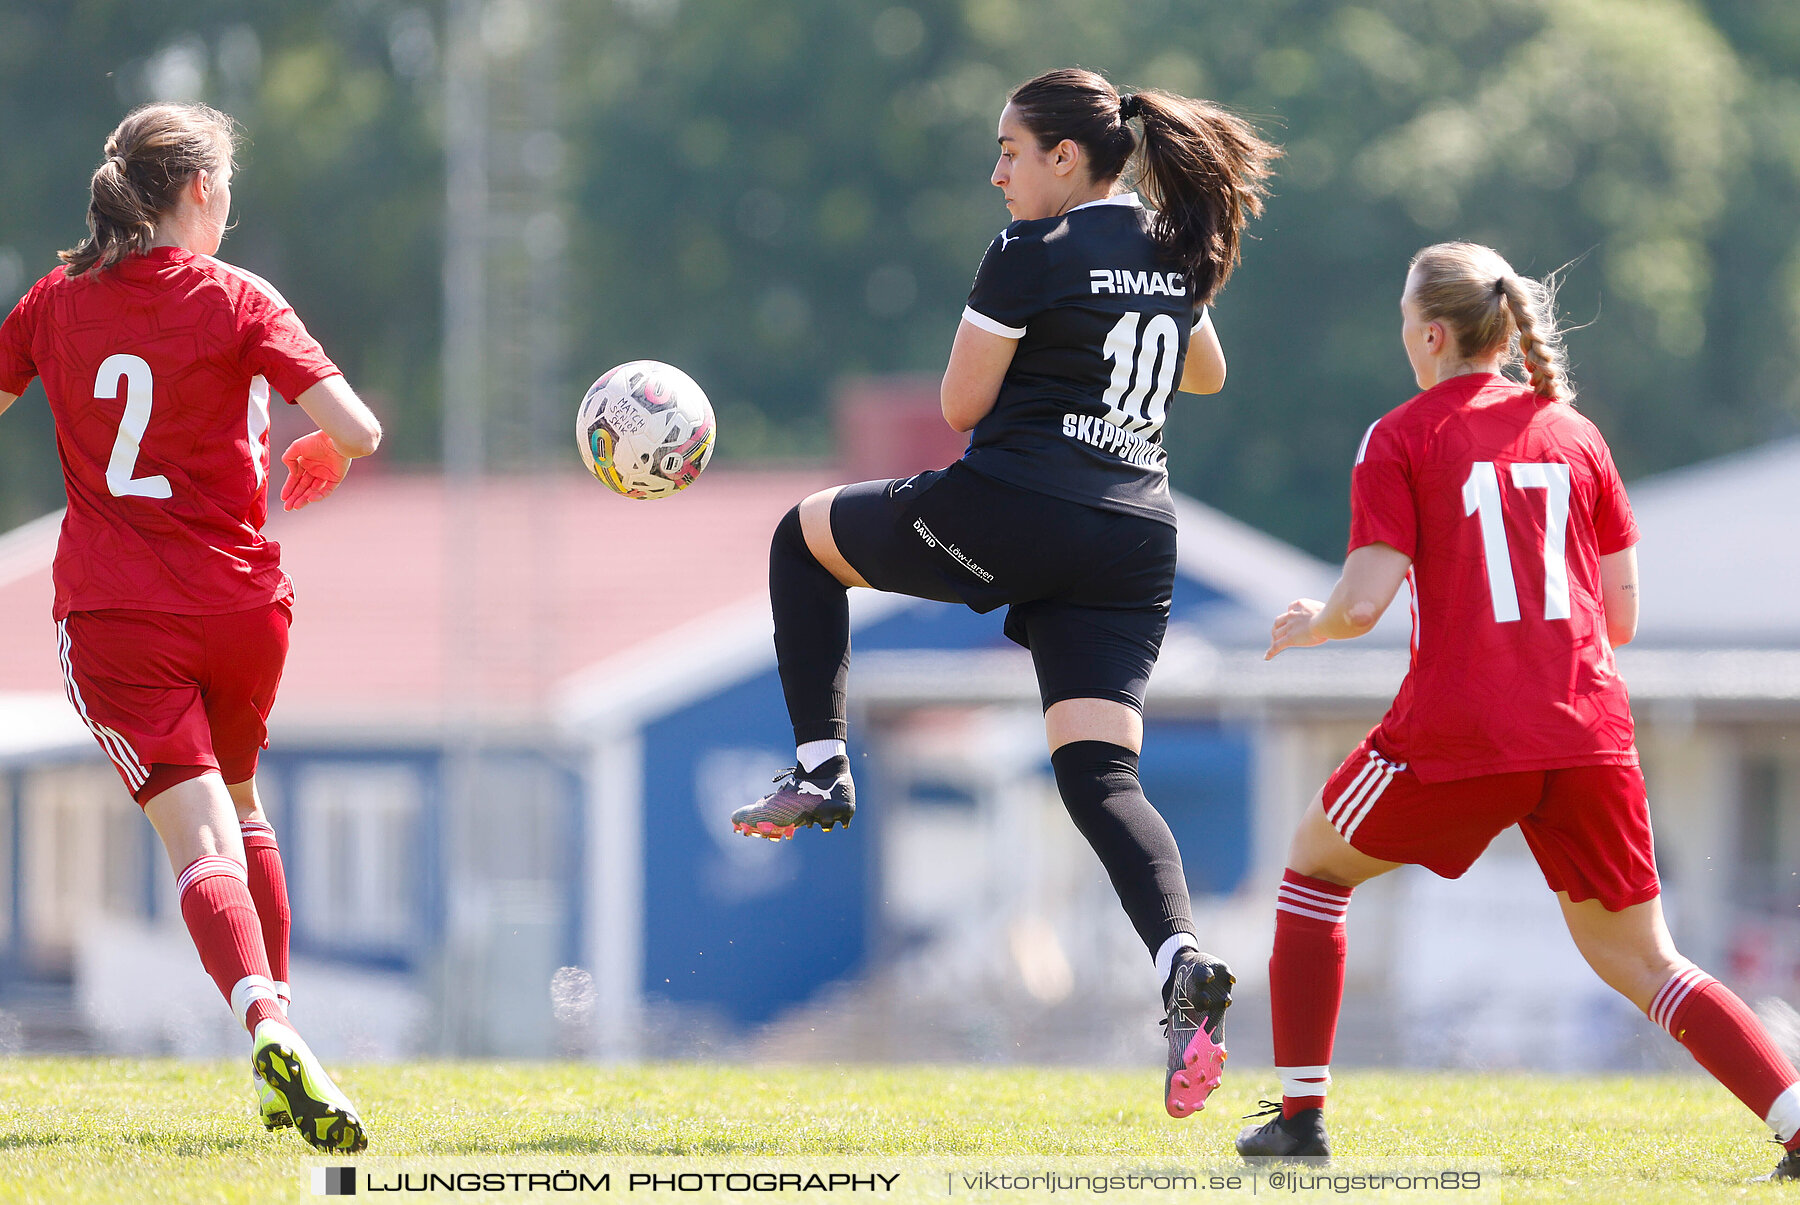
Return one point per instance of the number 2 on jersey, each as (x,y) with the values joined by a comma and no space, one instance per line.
(1144,405)
(1481,497)
(138,393)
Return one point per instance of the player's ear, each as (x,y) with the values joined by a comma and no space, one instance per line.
(1066,157)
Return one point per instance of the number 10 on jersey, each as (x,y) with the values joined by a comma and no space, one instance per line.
(1481,497)
(1141,406)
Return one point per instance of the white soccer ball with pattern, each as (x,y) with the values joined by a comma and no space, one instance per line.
(645,429)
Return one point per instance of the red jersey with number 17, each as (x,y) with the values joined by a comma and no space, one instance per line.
(1505,502)
(158,374)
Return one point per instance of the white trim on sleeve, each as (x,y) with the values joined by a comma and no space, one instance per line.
(1205,319)
(977,319)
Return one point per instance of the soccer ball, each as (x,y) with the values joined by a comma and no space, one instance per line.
(645,429)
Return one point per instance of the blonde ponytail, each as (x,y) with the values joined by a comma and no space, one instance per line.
(1475,293)
(1533,310)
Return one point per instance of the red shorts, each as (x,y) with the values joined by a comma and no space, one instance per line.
(1588,826)
(171,696)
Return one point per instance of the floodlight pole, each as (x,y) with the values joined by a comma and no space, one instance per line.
(465,241)
(464,453)
(505,407)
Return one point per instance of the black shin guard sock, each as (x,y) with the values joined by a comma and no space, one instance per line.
(1099,785)
(812,634)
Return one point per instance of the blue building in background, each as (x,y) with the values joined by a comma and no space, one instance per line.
(520,849)
(506,829)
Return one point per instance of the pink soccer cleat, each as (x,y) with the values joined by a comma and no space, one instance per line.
(826,797)
(1199,994)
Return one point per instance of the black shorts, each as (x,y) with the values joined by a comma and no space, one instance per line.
(1088,588)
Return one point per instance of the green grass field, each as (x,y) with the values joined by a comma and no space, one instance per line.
(79,1130)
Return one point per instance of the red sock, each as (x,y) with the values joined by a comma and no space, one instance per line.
(1306,985)
(1725,1037)
(216,904)
(268,888)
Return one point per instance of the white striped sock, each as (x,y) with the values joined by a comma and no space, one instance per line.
(1314,895)
(1310,901)
(1669,998)
(206,868)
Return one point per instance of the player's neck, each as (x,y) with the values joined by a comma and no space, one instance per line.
(1464,368)
(1087,196)
(187,235)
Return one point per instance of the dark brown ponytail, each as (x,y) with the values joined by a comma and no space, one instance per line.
(149,157)
(1200,167)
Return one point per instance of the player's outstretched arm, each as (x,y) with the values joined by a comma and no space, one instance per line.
(341,414)
(1372,576)
(978,363)
(1203,371)
(1619,595)
(7,399)
(317,462)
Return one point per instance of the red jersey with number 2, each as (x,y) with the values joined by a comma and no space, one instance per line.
(158,373)
(1505,502)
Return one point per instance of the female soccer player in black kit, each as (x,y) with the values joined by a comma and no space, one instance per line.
(1087,313)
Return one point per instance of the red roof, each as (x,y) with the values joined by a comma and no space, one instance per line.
(410,592)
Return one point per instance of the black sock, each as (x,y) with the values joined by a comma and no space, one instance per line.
(1099,785)
(812,634)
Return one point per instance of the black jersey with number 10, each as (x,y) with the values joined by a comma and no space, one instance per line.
(1103,326)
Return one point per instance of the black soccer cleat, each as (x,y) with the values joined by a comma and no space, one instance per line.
(825,797)
(1787,1169)
(1198,994)
(1301,1136)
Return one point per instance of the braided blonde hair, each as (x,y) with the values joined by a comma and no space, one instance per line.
(1473,290)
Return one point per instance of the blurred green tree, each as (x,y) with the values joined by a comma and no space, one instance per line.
(782,192)
(779,192)
(338,195)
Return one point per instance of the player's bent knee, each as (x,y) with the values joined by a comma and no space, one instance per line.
(1319,851)
(1116,723)
(1634,972)
(814,517)
(790,535)
(813,524)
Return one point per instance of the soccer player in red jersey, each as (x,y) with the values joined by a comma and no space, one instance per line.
(1501,504)
(171,607)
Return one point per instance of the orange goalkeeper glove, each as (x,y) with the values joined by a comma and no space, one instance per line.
(315,468)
